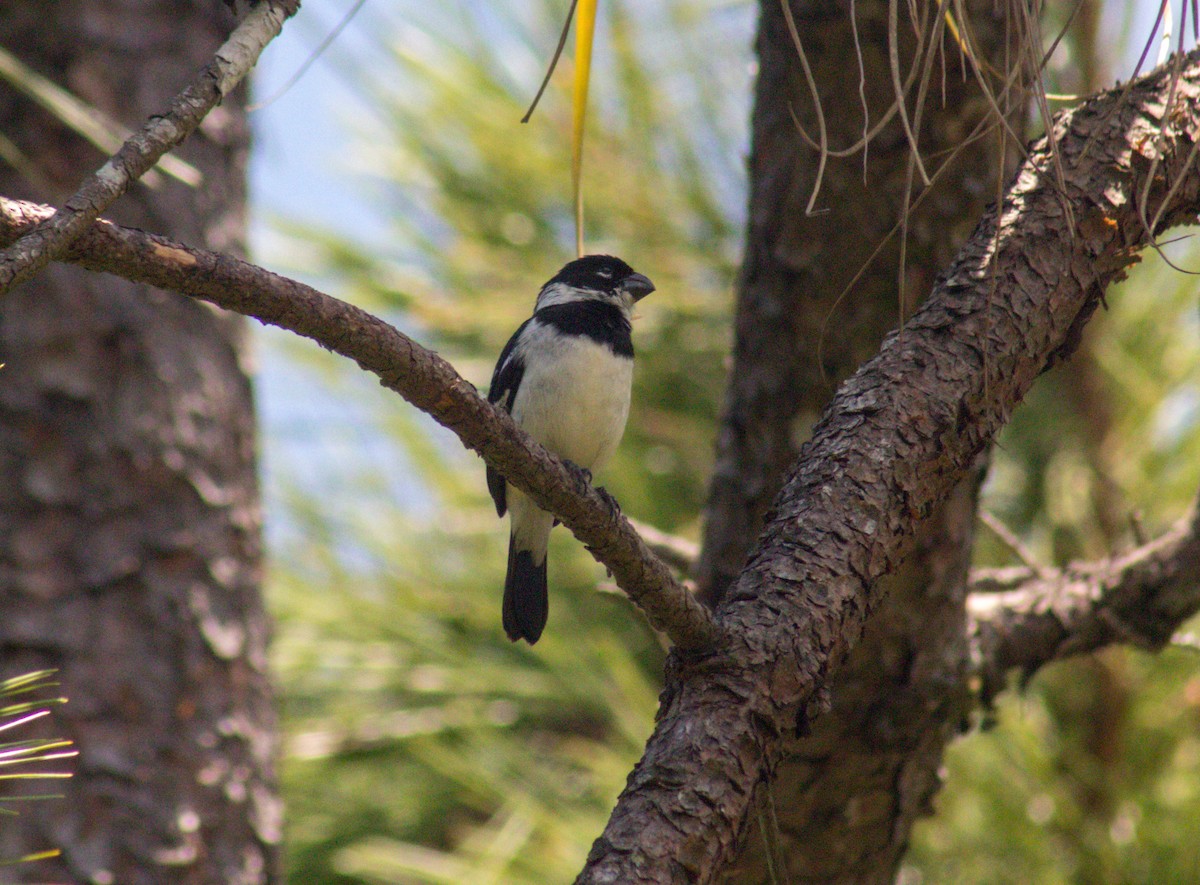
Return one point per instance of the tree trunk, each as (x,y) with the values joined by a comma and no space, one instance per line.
(129,516)
(841,806)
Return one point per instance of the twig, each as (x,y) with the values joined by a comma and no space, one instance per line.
(562,41)
(1010,539)
(1188,641)
(676,551)
(312,59)
(144,148)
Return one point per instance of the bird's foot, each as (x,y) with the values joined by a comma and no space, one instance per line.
(612,502)
(583,476)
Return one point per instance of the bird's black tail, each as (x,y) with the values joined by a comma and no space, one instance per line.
(526,603)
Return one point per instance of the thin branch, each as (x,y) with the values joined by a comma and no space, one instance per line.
(419,375)
(817,108)
(1010,539)
(313,57)
(558,50)
(1140,598)
(144,148)
(676,551)
(894,59)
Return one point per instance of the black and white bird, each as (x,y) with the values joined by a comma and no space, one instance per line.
(565,377)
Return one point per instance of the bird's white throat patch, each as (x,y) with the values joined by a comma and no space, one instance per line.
(561,293)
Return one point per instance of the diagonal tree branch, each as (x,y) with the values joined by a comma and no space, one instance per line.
(419,375)
(1025,619)
(815,298)
(899,435)
(897,438)
(50,239)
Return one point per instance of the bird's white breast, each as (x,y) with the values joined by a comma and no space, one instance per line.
(574,395)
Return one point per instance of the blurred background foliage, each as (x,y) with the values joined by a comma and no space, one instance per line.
(422,747)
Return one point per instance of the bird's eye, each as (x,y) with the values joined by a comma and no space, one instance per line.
(605,272)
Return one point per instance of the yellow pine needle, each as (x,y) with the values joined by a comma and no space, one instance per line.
(30,858)
(585,29)
(41,855)
(92,124)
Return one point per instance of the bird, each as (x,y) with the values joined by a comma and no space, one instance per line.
(565,376)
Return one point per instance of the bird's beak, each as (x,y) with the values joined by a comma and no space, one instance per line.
(638,286)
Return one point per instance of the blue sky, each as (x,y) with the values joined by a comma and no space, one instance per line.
(318,432)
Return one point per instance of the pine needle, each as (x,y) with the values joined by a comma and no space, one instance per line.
(585,29)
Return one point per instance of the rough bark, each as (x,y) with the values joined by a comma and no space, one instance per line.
(129,516)
(894,442)
(844,798)
(843,801)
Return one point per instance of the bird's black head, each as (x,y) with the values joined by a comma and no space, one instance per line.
(596,276)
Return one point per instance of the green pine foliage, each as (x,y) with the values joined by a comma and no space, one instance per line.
(420,745)
(28,763)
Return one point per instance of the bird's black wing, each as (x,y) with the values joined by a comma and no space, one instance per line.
(505,381)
